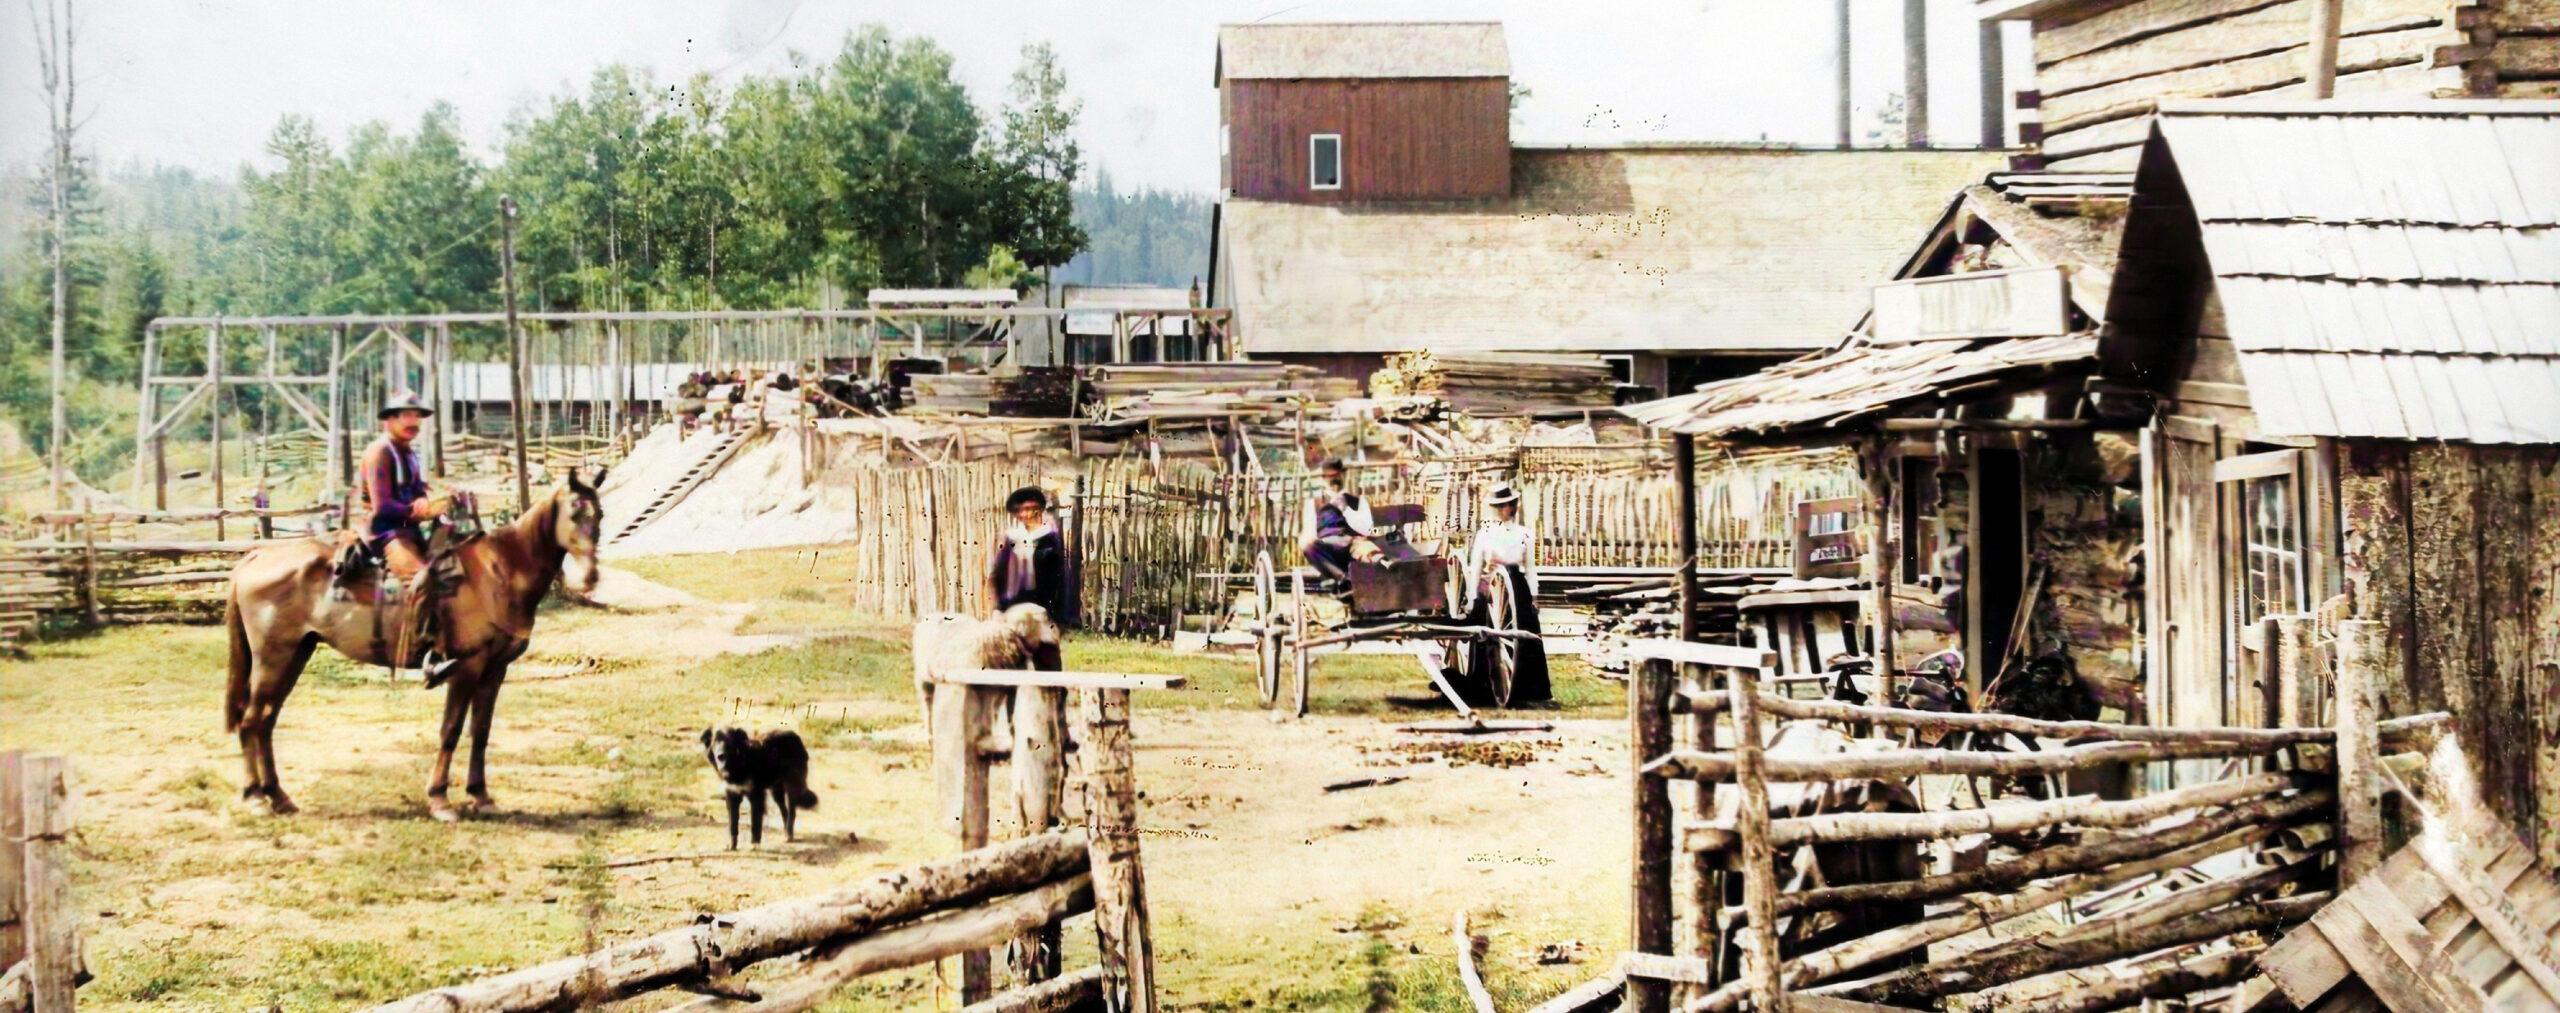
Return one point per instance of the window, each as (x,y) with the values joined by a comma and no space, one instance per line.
(1324,162)
(2267,575)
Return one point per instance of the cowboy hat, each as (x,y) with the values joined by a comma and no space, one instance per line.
(402,401)
(1501,493)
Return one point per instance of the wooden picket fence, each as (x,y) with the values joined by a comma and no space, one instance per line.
(1150,537)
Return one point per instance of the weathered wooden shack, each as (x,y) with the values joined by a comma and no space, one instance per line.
(2000,521)
(2349,315)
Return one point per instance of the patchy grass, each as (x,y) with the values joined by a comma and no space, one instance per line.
(363,899)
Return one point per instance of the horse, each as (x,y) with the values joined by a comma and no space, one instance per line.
(281,608)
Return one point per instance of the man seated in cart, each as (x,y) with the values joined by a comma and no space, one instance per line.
(1336,526)
(1504,551)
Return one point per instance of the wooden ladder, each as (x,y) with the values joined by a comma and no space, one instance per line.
(702,469)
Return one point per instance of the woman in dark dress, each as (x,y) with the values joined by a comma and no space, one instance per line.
(1505,550)
(1029,563)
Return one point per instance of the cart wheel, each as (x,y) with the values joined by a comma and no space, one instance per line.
(1266,644)
(1298,643)
(1498,658)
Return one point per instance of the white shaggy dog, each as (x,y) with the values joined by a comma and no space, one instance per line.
(1021,637)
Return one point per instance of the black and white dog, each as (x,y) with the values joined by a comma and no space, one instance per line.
(754,765)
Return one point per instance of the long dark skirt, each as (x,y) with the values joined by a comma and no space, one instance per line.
(1529,677)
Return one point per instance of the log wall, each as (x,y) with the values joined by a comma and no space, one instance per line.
(2523,39)
(2103,68)
(2456,550)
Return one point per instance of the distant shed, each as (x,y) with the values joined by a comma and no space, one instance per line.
(1326,113)
(2350,315)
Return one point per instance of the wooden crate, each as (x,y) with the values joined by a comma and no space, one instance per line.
(2447,924)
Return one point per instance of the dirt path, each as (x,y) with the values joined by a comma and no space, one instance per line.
(1270,892)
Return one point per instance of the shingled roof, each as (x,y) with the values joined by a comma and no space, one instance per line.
(1670,248)
(1373,49)
(2386,271)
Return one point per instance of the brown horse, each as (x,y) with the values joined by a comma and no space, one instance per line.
(281,608)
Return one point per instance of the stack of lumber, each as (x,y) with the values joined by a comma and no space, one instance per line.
(1035,393)
(1173,390)
(1499,383)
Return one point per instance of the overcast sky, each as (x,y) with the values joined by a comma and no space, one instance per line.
(201,83)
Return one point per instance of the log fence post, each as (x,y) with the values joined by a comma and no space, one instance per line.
(52,923)
(1039,763)
(1111,831)
(2299,686)
(13,880)
(1700,903)
(1649,907)
(2363,663)
(1759,863)
(961,716)
(89,567)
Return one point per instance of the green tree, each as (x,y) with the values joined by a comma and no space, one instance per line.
(1039,149)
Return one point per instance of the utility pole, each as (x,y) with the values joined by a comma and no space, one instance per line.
(53,60)
(1915,73)
(515,346)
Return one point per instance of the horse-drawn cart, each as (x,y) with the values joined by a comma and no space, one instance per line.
(1403,594)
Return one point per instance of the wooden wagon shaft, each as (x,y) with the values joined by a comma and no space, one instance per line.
(966,930)
(2194,974)
(1998,818)
(1078,989)
(736,940)
(2274,813)
(1411,629)
(1603,990)
(2081,950)
(1866,950)
(1692,764)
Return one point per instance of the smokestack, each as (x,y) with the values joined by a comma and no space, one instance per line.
(1995,86)
(1915,72)
(1848,136)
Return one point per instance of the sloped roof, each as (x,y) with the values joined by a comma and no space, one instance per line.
(2385,271)
(1362,49)
(1854,383)
(1737,249)
(2052,219)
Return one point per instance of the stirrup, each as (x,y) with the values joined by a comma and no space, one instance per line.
(435,667)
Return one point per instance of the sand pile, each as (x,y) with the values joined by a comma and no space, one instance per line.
(756,501)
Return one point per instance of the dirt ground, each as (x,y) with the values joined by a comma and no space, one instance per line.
(1268,891)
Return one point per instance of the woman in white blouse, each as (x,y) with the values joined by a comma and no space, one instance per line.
(1505,549)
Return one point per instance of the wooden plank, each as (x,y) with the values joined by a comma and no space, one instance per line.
(2541,674)
(2271,29)
(2063,39)
(2273,464)
(2444,542)
(1660,967)
(2305,965)
(1060,680)
(2526,17)
(2128,99)
(2505,652)
(1719,655)
(2420,966)
(2373,510)
(2529,950)
(2526,56)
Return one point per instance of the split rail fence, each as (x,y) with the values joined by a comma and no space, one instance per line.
(1008,897)
(1773,876)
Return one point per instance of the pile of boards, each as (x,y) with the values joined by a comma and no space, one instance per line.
(1038,392)
(1499,383)
(1171,390)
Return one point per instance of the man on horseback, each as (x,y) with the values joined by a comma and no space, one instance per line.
(397,498)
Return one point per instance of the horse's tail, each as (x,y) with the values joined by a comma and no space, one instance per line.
(235,701)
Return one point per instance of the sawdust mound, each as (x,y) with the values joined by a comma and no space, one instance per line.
(758,500)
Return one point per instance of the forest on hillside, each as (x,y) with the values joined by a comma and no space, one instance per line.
(871,168)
